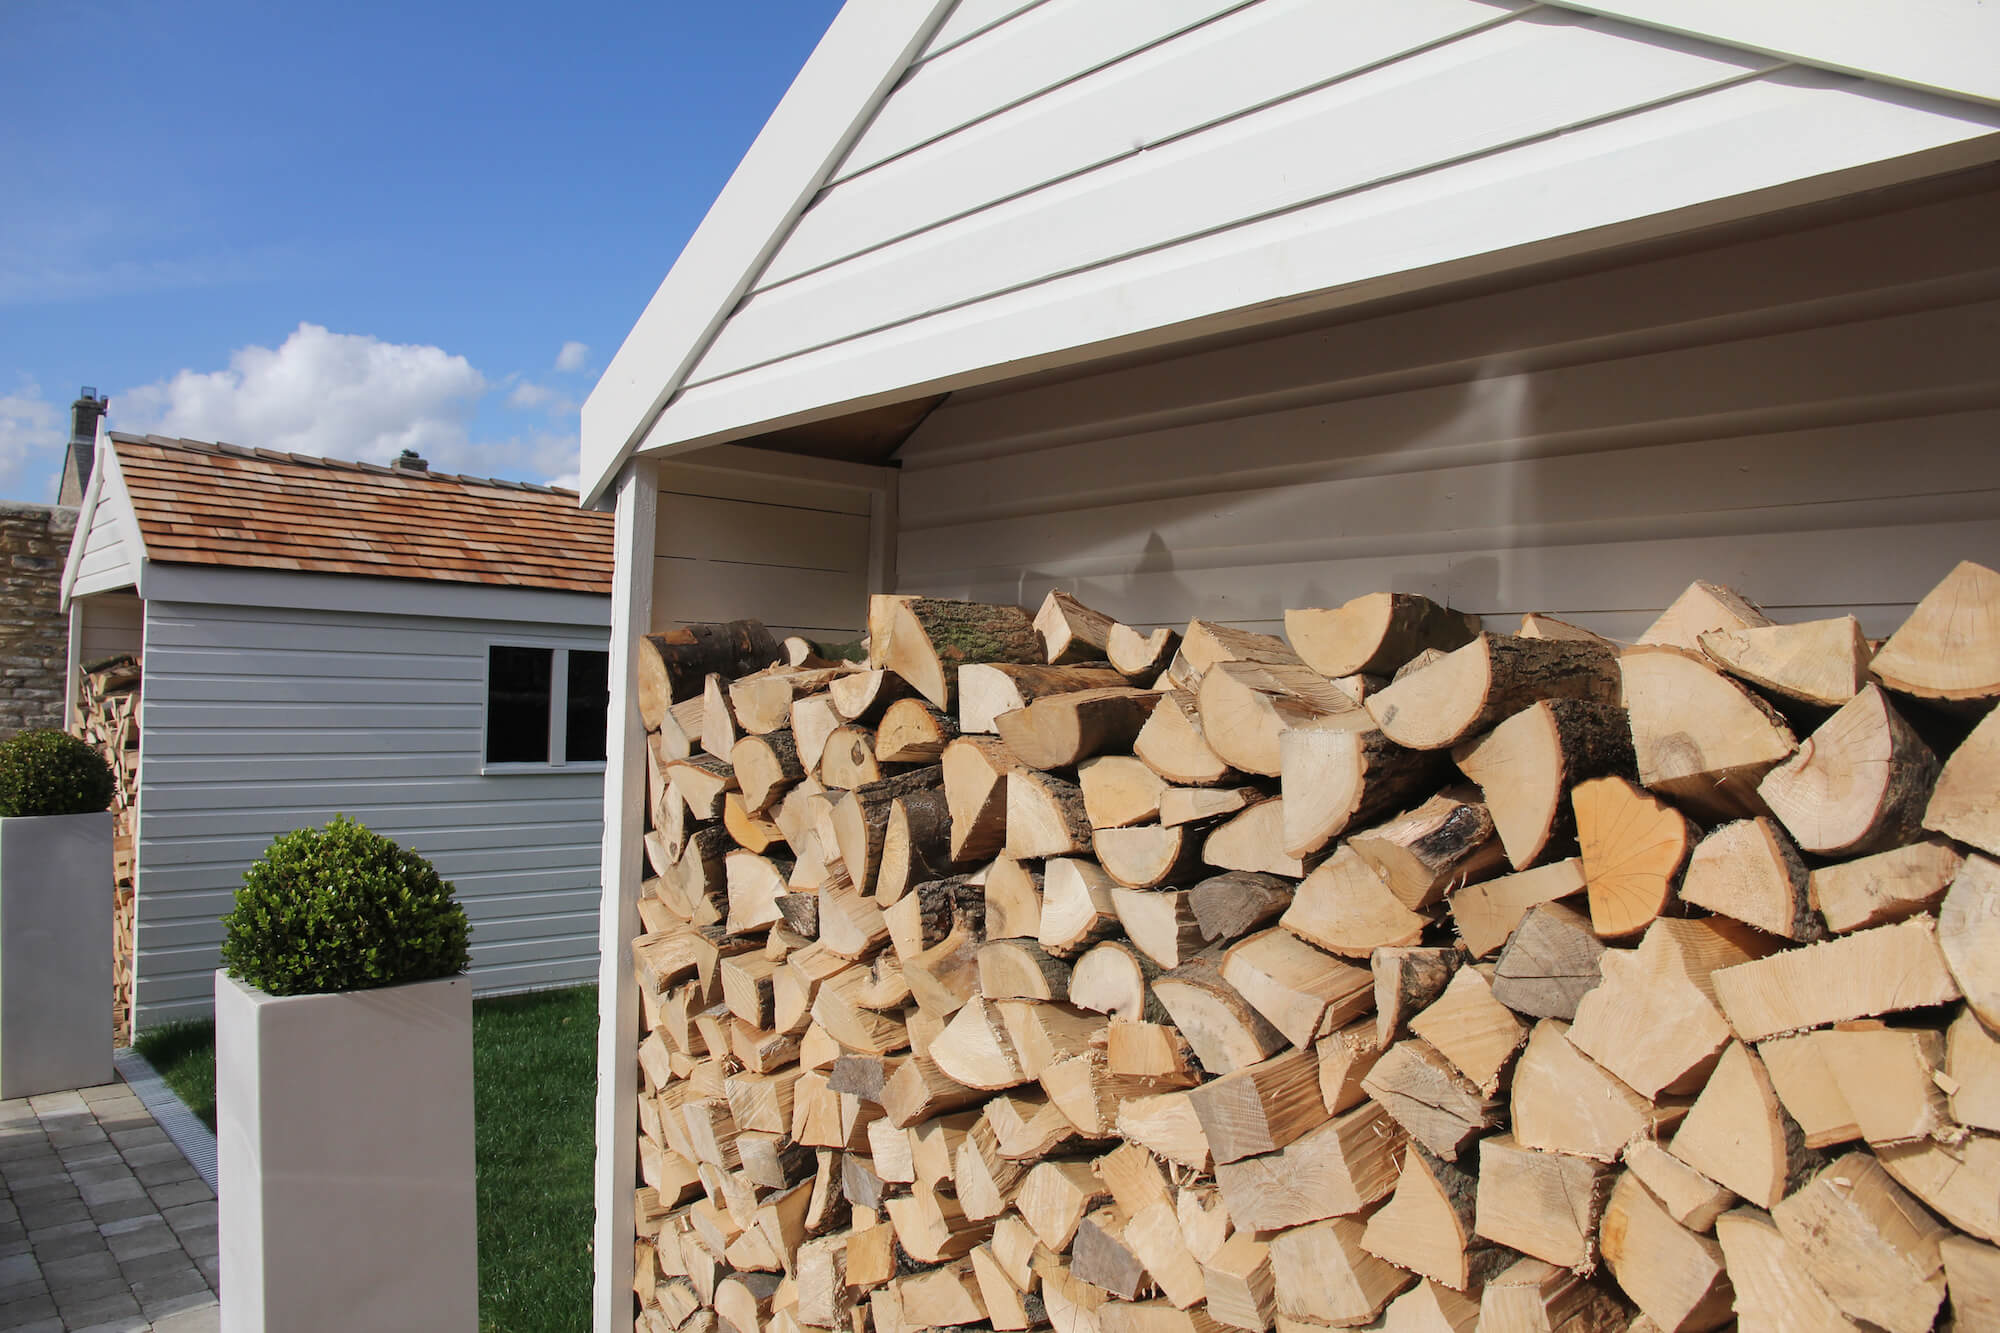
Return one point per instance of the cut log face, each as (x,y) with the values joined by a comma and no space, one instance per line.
(1702,608)
(1140,654)
(1166,1123)
(1333,779)
(1013,900)
(1654,1021)
(975,789)
(1821,662)
(1077,908)
(1173,745)
(1563,1101)
(814,719)
(1071,631)
(1345,907)
(1537,1297)
(1549,964)
(1949,648)
(1323,1276)
(1150,856)
(1446,841)
(1253,841)
(1972,1072)
(1528,763)
(1231,905)
(1494,676)
(913,731)
(1226,1033)
(1773,1290)
(926,639)
(1886,887)
(1859,784)
(1739,1136)
(1338,1169)
(1427,1226)
(1045,816)
(1119,791)
(1439,1106)
(1749,870)
(1969,932)
(1543,1204)
(1160,922)
(987,690)
(1299,990)
(1406,981)
(1237,1279)
(1112,978)
(1488,912)
(1470,1028)
(1700,739)
(1541,625)
(1867,1244)
(1954,1180)
(1247,706)
(1678,1278)
(1187,805)
(1689,1197)
(1376,633)
(1062,730)
(1879,971)
(1633,847)
(1973,1273)
(1966,802)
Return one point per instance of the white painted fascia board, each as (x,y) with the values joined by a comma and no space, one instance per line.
(219,585)
(79,538)
(864,52)
(1940,46)
(107,487)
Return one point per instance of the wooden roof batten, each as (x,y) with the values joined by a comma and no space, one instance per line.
(223,505)
(646,403)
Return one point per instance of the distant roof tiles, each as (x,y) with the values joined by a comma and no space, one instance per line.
(221,504)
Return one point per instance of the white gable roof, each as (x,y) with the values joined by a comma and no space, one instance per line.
(951,194)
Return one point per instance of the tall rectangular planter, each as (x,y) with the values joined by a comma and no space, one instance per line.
(344,1138)
(55,953)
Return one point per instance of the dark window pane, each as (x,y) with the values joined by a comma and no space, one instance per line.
(517,704)
(589,705)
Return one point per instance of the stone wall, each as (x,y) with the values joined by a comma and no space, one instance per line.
(34,632)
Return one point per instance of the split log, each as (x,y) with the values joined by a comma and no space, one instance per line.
(1633,846)
(850,924)
(1186,805)
(755,885)
(975,1050)
(1021,970)
(671,667)
(944,974)
(1406,980)
(862,697)
(1045,816)
(1322,1275)
(762,702)
(1654,1021)
(1376,633)
(1062,730)
(1773,1290)
(1490,678)
(1700,739)
(1470,1028)
(1013,900)
(1077,908)
(1689,1197)
(1299,990)
(916,844)
(1823,663)
(814,720)
(1238,1284)
(1886,887)
(1344,906)
(1254,841)
(1859,784)
(1968,930)
(1140,656)
(1439,1106)
(1972,1271)
(1488,912)
(1527,765)
(926,639)
(1966,801)
(1160,922)
(1537,1297)
(1563,1101)
(986,691)
(1054,1198)
(1173,744)
(766,766)
(1336,1169)
(1114,978)
(1749,870)
(861,822)
(919,1090)
(1071,631)
(1949,648)
(1427,1225)
(1231,905)
(1953,1179)
(1678,1278)
(975,790)
(1703,607)
(1149,856)
(702,780)
(1860,1080)
(1738,1135)
(1541,625)
(1247,706)
(1147,1050)
(1544,1204)
(1226,1033)
(1101,1256)
(913,731)
(1260,1107)
(1165,1123)
(848,759)
(719,730)
(1867,1244)
(1431,1307)
(1119,791)
(1345,1057)
(1879,971)
(1972,1072)
(1446,841)
(752,832)
(932,1227)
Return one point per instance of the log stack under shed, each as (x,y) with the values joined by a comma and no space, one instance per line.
(108,718)
(1397,973)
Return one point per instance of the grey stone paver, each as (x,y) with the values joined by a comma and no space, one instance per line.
(104,1225)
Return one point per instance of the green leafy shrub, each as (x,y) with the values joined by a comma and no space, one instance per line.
(342,908)
(52,773)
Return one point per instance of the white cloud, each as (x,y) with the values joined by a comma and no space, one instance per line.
(349,396)
(572,357)
(32,434)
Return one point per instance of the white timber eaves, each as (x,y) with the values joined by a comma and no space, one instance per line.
(106,551)
(950,194)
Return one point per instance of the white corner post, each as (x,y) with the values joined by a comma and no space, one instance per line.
(638,495)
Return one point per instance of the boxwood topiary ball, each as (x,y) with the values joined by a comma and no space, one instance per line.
(342,908)
(52,773)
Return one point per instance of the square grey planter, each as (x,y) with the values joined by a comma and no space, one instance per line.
(55,953)
(344,1150)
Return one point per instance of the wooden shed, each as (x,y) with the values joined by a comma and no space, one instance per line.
(264,640)
(1219,307)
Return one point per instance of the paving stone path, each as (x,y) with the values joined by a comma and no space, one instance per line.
(104,1226)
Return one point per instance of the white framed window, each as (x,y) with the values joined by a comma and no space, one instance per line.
(546,708)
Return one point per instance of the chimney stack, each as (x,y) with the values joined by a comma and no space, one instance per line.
(81,456)
(408,461)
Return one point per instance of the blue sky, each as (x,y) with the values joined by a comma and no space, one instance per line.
(343,229)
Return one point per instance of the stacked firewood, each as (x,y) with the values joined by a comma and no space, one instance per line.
(108,718)
(1045,971)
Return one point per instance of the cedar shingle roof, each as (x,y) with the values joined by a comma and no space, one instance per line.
(221,504)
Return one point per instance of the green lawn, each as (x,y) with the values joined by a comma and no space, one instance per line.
(534,1069)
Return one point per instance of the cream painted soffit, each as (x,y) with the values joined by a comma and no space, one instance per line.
(1945,47)
(864,52)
